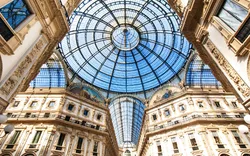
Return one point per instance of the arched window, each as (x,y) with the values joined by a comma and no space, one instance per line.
(127,153)
(224,155)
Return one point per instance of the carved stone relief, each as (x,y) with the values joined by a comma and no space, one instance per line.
(15,79)
(242,87)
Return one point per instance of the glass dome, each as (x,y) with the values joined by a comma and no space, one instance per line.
(125,46)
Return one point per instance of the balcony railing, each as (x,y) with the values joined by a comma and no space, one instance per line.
(33,146)
(82,123)
(42,116)
(193,117)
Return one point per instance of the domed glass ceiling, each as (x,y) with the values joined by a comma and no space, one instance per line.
(125,46)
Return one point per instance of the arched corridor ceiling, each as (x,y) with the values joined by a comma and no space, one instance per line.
(127,115)
(125,46)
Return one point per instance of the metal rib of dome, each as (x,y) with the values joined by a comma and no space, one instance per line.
(125,46)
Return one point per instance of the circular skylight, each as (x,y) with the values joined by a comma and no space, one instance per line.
(125,46)
(125,38)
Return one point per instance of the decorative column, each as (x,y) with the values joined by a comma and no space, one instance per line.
(165,145)
(52,135)
(225,132)
(43,146)
(203,134)
(210,103)
(88,146)
(103,148)
(191,103)
(70,147)
(24,141)
(182,138)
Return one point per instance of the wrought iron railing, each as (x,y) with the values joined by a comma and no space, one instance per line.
(193,117)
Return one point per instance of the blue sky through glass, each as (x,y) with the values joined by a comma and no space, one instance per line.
(125,46)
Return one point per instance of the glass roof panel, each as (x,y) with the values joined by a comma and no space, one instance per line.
(126,114)
(125,46)
(51,75)
(200,75)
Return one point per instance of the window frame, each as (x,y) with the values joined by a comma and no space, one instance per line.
(230,36)
(19,32)
(32,102)
(156,117)
(88,114)
(49,106)
(14,104)
(169,113)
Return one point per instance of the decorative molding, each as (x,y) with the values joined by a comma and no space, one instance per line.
(242,87)
(19,74)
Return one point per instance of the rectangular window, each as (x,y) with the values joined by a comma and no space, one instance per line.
(14,139)
(232,14)
(86,112)
(217,139)
(9,115)
(193,142)
(16,103)
(15,12)
(70,107)
(67,118)
(52,104)
(167,112)
(27,115)
(200,104)
(5,32)
(234,104)
(175,145)
(46,115)
(33,104)
(60,142)
(238,139)
(242,115)
(154,117)
(95,149)
(224,115)
(217,104)
(99,116)
(158,143)
(36,139)
(182,107)
(244,31)
(79,145)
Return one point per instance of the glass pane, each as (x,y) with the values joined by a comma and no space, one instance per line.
(15,12)
(199,74)
(5,31)
(126,114)
(232,14)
